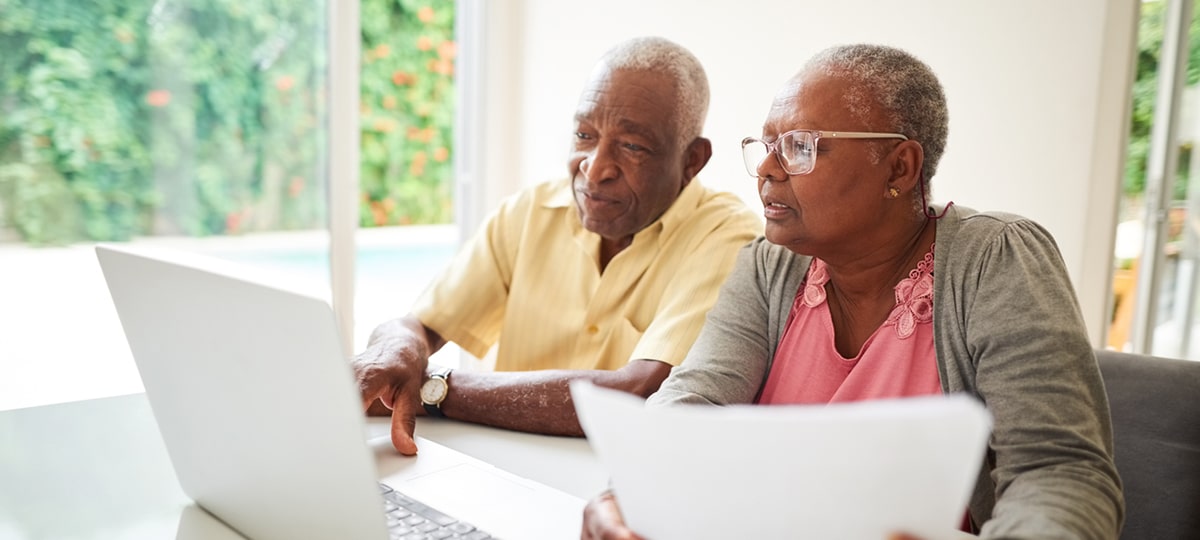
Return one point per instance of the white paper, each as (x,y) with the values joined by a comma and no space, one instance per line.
(859,470)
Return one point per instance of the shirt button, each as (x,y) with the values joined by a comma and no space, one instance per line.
(592,329)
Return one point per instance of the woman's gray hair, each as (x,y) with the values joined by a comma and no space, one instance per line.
(903,85)
(665,56)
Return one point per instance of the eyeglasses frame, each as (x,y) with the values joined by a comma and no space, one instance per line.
(817,135)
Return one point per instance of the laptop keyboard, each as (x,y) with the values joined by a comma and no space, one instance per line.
(409,519)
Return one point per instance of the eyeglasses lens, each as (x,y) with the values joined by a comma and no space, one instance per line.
(754,152)
(797,152)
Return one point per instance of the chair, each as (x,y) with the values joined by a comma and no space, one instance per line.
(1155,404)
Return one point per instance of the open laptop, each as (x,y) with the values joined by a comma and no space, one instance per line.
(263,423)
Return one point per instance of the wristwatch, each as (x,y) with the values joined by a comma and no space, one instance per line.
(434,390)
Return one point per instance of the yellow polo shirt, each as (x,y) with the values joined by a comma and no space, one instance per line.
(529,281)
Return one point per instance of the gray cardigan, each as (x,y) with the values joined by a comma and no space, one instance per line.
(1008,330)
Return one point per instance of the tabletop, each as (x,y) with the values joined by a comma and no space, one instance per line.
(98,469)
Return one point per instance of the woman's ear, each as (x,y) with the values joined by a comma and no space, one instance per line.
(906,159)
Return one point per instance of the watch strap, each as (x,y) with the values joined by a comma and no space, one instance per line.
(433,410)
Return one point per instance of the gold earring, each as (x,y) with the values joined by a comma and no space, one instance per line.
(893,192)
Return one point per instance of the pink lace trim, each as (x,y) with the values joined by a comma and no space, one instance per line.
(914,295)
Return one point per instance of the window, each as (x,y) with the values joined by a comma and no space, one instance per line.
(1155,286)
(205,126)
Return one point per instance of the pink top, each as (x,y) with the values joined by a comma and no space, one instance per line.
(897,360)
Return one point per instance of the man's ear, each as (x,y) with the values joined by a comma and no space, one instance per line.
(695,157)
(906,158)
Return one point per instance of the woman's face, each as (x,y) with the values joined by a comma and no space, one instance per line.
(838,208)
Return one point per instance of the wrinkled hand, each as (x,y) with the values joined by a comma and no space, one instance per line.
(602,520)
(390,373)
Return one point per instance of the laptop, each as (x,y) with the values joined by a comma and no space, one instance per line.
(263,423)
(846,470)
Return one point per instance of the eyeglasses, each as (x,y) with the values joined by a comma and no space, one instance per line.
(797,149)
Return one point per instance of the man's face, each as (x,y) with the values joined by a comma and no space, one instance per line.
(627,164)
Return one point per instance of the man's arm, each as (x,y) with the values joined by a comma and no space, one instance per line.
(540,401)
(393,366)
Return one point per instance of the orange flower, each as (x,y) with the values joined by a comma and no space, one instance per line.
(424,43)
(233,222)
(384,125)
(441,154)
(425,14)
(378,214)
(445,67)
(419,158)
(296,187)
(382,50)
(389,102)
(401,78)
(447,50)
(284,83)
(158,98)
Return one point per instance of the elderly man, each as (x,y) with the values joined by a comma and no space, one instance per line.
(606,275)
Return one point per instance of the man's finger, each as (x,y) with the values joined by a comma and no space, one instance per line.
(404,424)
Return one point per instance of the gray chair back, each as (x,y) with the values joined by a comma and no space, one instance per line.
(1155,404)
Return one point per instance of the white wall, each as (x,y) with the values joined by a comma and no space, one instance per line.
(1037,93)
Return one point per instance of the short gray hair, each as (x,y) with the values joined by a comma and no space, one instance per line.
(903,85)
(665,56)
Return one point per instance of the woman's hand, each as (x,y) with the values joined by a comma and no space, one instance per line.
(602,520)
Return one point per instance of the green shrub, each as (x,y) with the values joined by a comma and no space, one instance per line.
(121,118)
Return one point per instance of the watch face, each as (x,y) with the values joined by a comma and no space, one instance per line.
(433,391)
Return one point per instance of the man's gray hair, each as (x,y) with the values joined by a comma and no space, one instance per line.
(665,56)
(903,85)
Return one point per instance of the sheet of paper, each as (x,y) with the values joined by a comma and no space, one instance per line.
(859,470)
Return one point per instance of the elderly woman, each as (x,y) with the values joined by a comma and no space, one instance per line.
(859,290)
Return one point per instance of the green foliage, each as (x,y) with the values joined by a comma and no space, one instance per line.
(1145,88)
(407,111)
(133,117)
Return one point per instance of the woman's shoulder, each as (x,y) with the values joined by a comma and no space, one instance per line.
(771,266)
(964,226)
(968,239)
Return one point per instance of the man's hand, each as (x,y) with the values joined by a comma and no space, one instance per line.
(602,520)
(390,371)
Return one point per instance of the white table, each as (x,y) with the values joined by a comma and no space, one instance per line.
(97,469)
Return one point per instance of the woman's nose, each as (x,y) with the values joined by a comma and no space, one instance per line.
(770,168)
